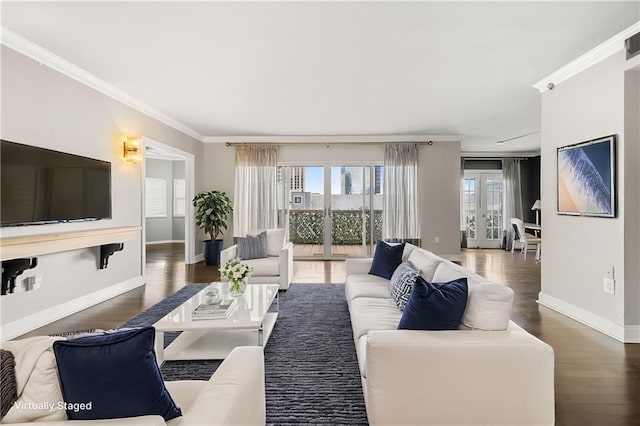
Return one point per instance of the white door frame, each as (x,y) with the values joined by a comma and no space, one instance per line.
(481,209)
(189,217)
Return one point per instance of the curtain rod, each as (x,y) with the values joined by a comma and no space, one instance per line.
(494,158)
(327,144)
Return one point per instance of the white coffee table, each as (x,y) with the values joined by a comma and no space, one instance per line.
(249,324)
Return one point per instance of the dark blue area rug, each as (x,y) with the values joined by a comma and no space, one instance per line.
(311,367)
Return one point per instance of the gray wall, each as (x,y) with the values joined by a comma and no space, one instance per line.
(439,175)
(632,196)
(576,250)
(45,108)
(169,228)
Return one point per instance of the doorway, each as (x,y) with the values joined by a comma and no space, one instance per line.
(331,211)
(482,208)
(167,188)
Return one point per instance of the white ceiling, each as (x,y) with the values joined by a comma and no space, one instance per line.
(330,68)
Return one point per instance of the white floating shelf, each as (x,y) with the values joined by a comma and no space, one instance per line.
(36,245)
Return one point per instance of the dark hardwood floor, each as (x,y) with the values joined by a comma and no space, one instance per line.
(597,377)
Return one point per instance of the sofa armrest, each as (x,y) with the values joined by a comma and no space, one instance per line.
(286,265)
(234,395)
(459,377)
(226,255)
(358,266)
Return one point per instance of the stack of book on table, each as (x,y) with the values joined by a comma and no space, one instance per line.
(214,311)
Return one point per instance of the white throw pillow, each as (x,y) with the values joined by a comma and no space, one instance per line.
(275,241)
(488,305)
(408,248)
(425,262)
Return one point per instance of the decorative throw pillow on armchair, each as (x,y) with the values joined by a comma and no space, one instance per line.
(113,376)
(252,246)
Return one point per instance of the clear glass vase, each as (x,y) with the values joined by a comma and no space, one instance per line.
(237,287)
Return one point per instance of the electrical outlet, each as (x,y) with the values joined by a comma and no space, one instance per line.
(609,286)
(37,282)
(22,286)
(437,240)
(608,272)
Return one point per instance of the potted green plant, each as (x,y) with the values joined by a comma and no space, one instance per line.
(212,211)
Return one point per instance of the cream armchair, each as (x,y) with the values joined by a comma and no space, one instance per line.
(233,395)
(276,268)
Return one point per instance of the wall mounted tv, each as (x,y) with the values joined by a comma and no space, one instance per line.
(41,186)
(587,178)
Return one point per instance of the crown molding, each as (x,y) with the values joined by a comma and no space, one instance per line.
(332,138)
(592,57)
(55,62)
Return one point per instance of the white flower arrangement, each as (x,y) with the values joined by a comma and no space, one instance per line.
(235,270)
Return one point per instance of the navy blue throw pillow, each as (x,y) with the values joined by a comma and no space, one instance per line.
(113,375)
(434,306)
(386,259)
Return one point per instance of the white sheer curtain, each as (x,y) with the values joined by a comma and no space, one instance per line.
(255,202)
(400,201)
(512,196)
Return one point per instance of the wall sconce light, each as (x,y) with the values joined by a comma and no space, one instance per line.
(132,150)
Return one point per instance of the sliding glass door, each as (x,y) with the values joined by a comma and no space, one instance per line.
(331,211)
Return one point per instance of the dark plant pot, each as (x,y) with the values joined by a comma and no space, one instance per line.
(212,251)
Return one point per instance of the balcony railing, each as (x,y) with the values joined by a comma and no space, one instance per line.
(307,226)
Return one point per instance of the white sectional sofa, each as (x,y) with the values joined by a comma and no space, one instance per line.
(234,395)
(276,268)
(488,372)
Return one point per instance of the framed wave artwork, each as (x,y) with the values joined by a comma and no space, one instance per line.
(587,178)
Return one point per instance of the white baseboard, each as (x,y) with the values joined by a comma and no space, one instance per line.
(198,258)
(54,313)
(149,243)
(632,334)
(603,325)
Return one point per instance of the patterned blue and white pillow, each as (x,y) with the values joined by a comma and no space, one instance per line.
(401,283)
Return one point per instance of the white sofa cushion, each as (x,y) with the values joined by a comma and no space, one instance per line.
(425,262)
(408,248)
(368,313)
(365,285)
(488,305)
(37,381)
(264,267)
(275,241)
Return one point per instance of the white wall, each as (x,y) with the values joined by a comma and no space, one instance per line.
(576,250)
(439,175)
(44,108)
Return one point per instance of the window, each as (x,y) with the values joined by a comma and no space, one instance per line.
(155,202)
(178,197)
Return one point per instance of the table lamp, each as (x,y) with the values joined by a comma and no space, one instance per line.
(537,208)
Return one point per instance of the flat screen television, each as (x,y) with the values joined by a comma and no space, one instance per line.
(41,186)
(587,178)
